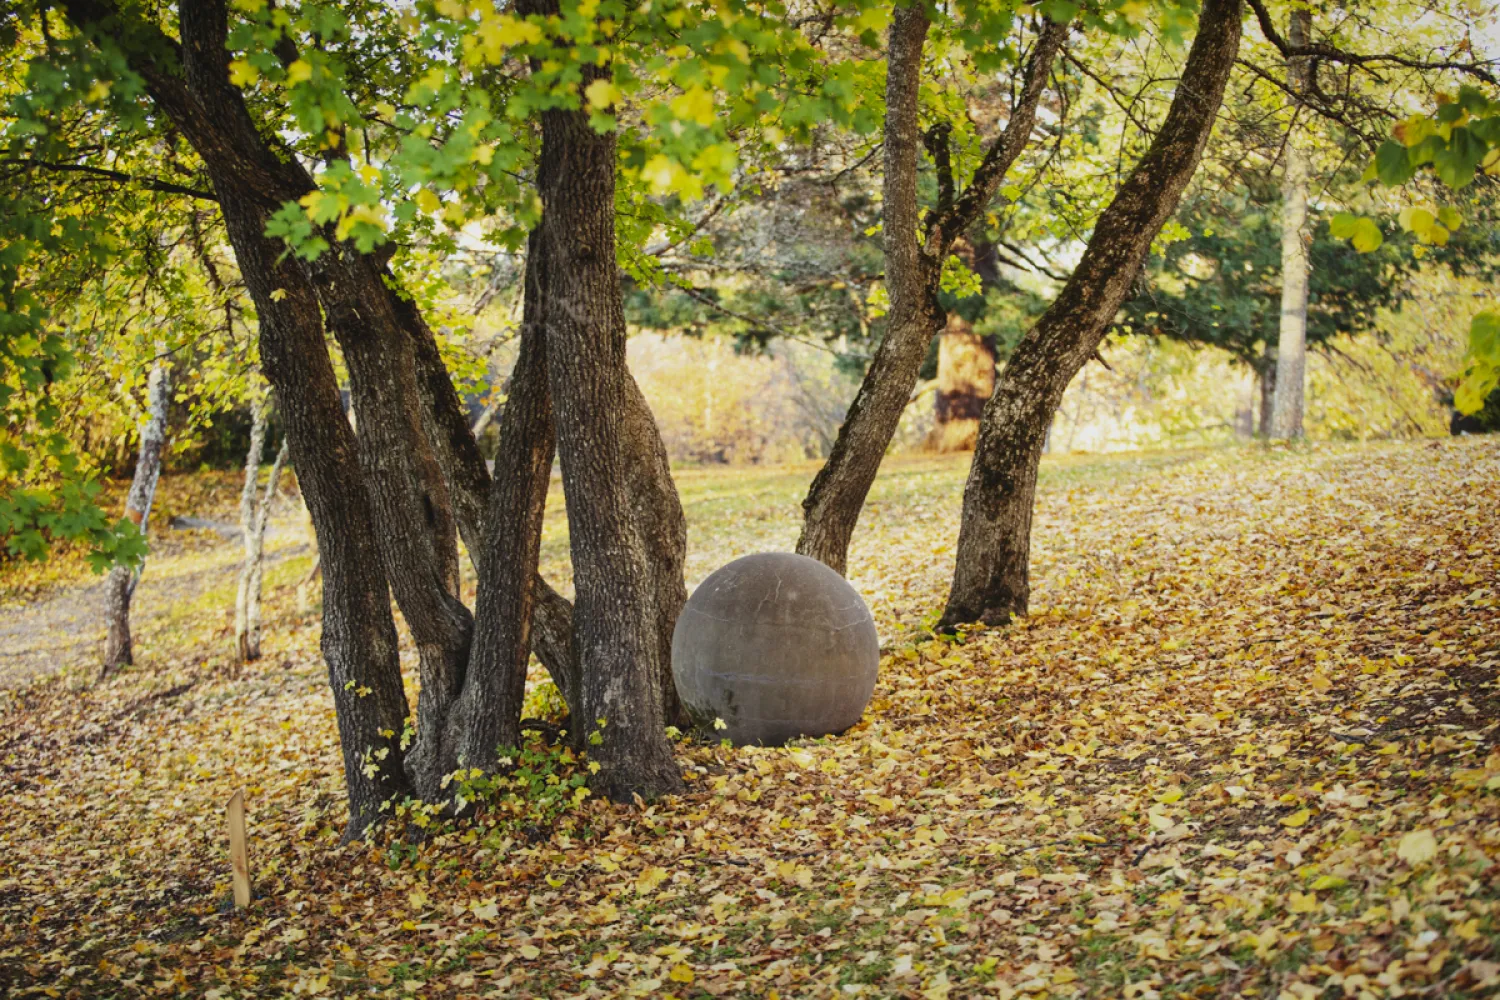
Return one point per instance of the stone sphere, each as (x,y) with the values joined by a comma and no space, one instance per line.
(778,646)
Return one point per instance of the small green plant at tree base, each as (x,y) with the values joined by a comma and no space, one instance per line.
(529,789)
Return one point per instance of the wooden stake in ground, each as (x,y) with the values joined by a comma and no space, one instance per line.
(239,855)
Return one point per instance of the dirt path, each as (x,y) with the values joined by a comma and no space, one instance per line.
(66,628)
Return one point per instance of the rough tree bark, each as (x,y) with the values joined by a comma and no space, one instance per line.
(487,712)
(618,612)
(913,271)
(189,83)
(1291,350)
(120,586)
(991,582)
(255,514)
(966,378)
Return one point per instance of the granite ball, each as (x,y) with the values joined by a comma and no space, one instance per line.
(777,646)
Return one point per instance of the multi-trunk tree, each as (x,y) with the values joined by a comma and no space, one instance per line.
(290,119)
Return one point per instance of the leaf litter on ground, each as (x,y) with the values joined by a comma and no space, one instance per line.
(1245,745)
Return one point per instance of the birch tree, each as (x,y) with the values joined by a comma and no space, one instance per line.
(255,513)
(120,586)
(1291,347)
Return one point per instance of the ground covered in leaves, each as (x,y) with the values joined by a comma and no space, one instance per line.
(1247,745)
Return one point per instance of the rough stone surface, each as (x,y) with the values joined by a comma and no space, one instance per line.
(778,646)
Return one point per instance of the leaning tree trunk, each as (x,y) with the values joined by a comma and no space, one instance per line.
(618,612)
(190,85)
(838,491)
(965,380)
(991,582)
(913,272)
(120,586)
(255,513)
(1291,350)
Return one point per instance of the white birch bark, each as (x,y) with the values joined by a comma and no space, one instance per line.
(120,587)
(1291,350)
(255,514)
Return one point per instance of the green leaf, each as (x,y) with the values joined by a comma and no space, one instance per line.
(1060,11)
(1362,233)
(1392,164)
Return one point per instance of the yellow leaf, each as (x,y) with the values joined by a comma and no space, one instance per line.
(487,910)
(1298,818)
(299,71)
(649,880)
(695,105)
(242,74)
(1302,902)
(602,94)
(680,974)
(529,951)
(427,201)
(1417,847)
(1330,882)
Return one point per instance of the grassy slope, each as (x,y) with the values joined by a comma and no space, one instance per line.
(1247,746)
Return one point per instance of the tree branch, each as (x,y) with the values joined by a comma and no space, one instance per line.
(149,183)
(1322,50)
(1008,146)
(936,141)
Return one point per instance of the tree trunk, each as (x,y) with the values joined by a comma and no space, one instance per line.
(469,482)
(617,615)
(1265,378)
(248,493)
(258,561)
(487,714)
(913,272)
(190,85)
(991,581)
(838,491)
(255,513)
(966,378)
(408,492)
(122,580)
(657,512)
(1291,351)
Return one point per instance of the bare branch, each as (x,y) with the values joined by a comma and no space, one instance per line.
(1322,50)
